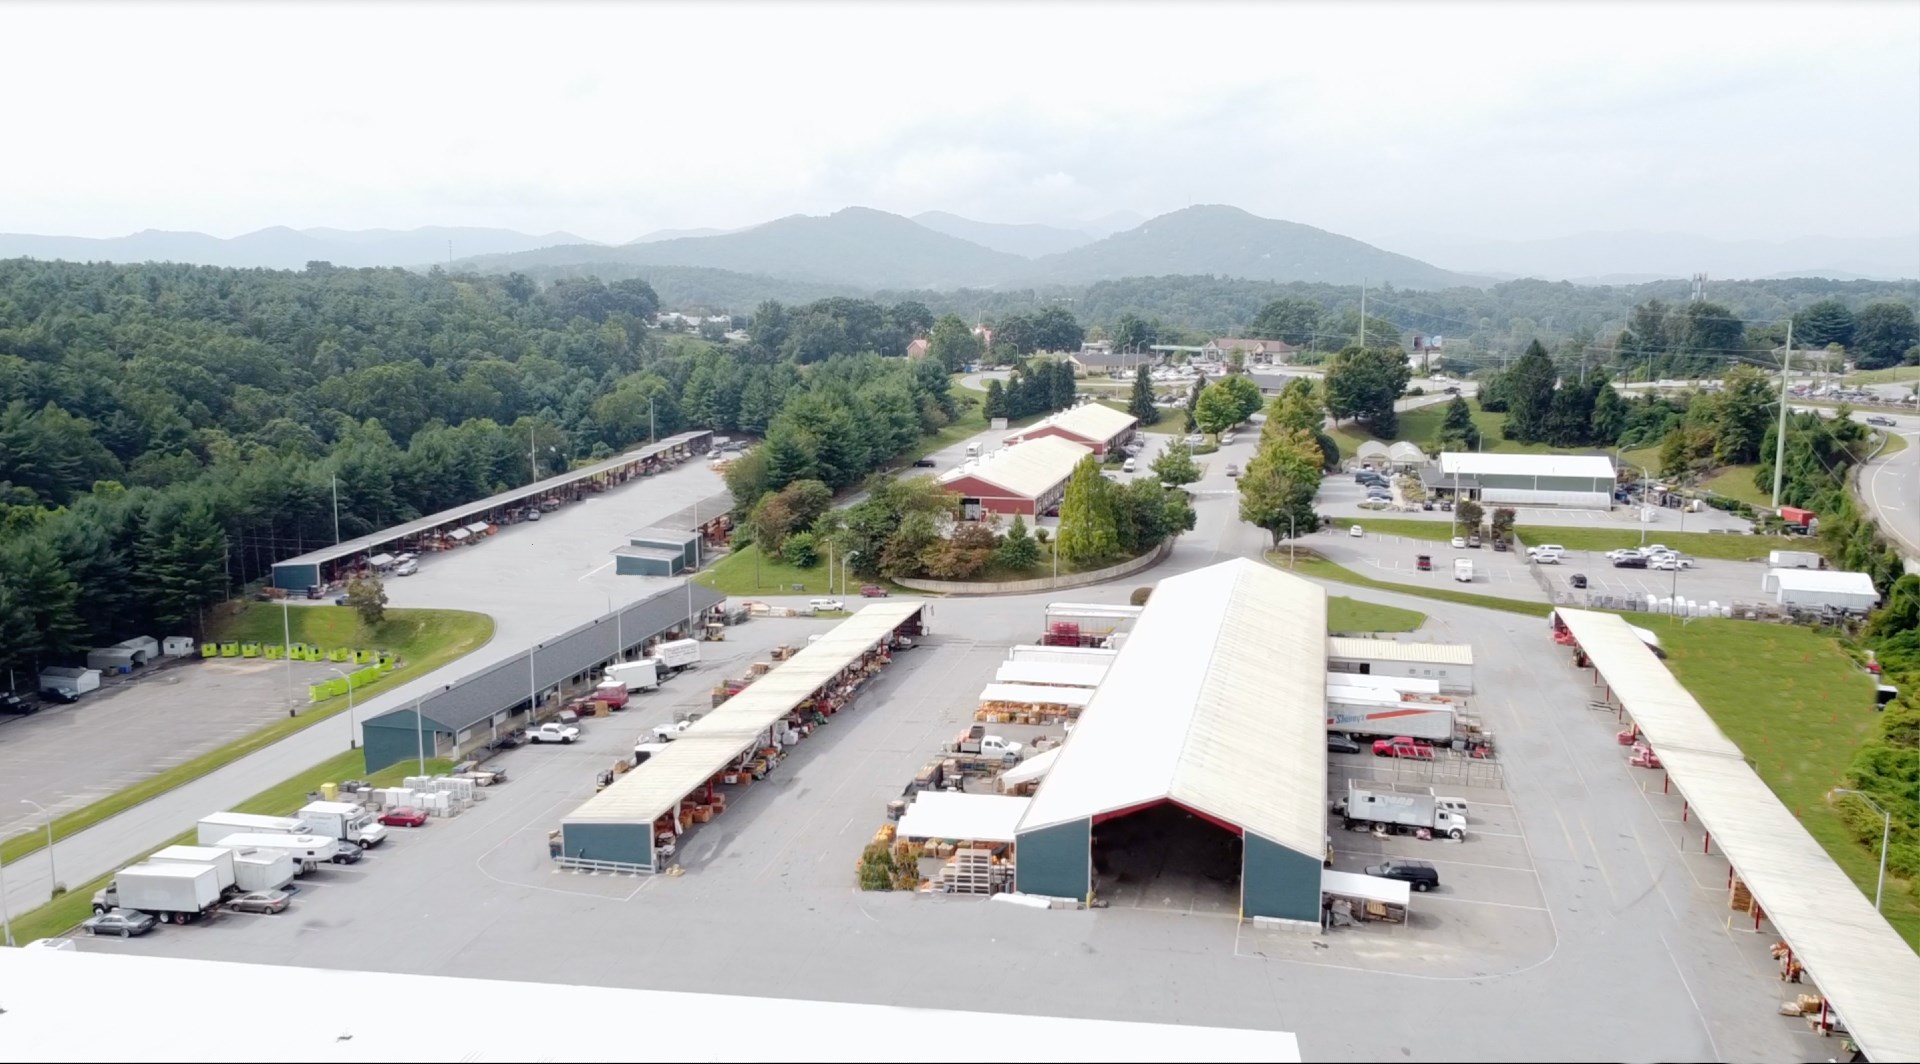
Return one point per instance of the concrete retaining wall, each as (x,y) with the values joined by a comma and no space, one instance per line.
(1045,583)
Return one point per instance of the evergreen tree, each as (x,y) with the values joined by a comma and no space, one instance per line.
(1529,392)
(46,595)
(1140,404)
(1570,415)
(1017,551)
(996,402)
(1458,432)
(1062,385)
(1609,414)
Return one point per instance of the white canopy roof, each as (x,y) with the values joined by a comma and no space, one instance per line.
(1476,464)
(1033,768)
(1217,702)
(477,527)
(1866,970)
(1044,672)
(1372,888)
(459,533)
(1373,449)
(380,559)
(1822,580)
(961,816)
(1032,694)
(706,747)
(1029,469)
(1090,421)
(1063,655)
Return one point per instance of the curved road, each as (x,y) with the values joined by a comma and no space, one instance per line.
(1890,487)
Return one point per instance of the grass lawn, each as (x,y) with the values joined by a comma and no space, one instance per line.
(425,639)
(1437,531)
(1890,375)
(1894,445)
(1647,458)
(1321,569)
(64,912)
(747,572)
(1698,544)
(1352,615)
(1736,482)
(1799,710)
(1422,426)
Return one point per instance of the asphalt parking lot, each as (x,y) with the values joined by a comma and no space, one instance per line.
(1570,925)
(65,757)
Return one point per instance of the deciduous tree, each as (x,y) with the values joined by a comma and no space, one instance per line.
(367,598)
(1278,486)
(1175,464)
(1363,384)
(1087,532)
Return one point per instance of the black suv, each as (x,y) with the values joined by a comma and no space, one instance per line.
(1420,874)
(1630,561)
(1341,744)
(14,704)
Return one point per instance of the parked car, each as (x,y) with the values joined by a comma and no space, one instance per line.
(1426,504)
(1630,561)
(1233,470)
(826,605)
(1473,541)
(17,706)
(1500,543)
(532,514)
(1356,531)
(1418,874)
(1671,562)
(923,463)
(1616,555)
(1403,746)
(123,922)
(403,816)
(1195,440)
(266,902)
(410,567)
(1883,422)
(551,732)
(1577,581)
(58,694)
(1546,548)
(1458,543)
(873,591)
(1341,744)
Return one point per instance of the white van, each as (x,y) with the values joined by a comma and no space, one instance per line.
(973,450)
(1127,466)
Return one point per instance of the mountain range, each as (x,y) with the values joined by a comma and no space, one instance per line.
(860,248)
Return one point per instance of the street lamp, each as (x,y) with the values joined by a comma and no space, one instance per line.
(353,732)
(53,873)
(1886,829)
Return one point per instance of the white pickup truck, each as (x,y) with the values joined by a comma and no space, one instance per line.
(553,733)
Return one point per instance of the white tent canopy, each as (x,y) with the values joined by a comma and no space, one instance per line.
(1032,768)
(1031,695)
(966,817)
(1047,673)
(1370,888)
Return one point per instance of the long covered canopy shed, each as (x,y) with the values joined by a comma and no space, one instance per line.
(318,566)
(616,825)
(1215,706)
(1866,971)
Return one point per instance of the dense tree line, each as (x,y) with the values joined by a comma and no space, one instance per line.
(1277,488)
(168,432)
(1036,386)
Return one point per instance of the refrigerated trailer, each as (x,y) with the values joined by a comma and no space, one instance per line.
(1361,711)
(216,826)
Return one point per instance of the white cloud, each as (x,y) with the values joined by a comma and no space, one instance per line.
(610,120)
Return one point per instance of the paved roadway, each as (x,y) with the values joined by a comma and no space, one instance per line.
(536,579)
(1890,487)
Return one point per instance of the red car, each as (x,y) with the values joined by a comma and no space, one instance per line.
(1403,746)
(404,816)
(872,591)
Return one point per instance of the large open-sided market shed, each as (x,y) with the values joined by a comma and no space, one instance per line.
(1215,706)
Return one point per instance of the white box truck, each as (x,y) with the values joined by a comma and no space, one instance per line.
(1463,570)
(677,655)
(176,893)
(1399,813)
(308,851)
(215,826)
(642,675)
(1794,559)
(260,869)
(344,821)
(218,858)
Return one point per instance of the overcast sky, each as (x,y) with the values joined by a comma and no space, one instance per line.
(1505,120)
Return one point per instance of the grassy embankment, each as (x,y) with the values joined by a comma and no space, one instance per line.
(424,640)
(1321,569)
(1799,709)
(64,912)
(1352,615)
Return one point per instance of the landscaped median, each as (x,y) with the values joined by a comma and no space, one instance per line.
(62,913)
(424,639)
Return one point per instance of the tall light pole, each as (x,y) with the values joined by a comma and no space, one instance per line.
(286,652)
(53,873)
(1780,436)
(353,733)
(1886,829)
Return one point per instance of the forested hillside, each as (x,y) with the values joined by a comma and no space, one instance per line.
(168,432)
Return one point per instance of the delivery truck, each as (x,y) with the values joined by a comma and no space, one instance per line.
(1400,814)
(259,869)
(215,826)
(677,655)
(218,858)
(1359,711)
(642,675)
(344,821)
(307,851)
(175,893)
(611,692)
(1794,559)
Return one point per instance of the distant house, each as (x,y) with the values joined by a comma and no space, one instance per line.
(919,349)
(1222,350)
(1106,363)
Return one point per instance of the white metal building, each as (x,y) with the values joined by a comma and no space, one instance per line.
(53,997)
(1451,664)
(616,825)
(1032,652)
(1027,478)
(1815,588)
(1532,479)
(1096,426)
(1214,706)
(1866,970)
(1052,674)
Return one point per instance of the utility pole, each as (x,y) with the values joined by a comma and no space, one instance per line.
(1363,312)
(336,510)
(533,455)
(1780,436)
